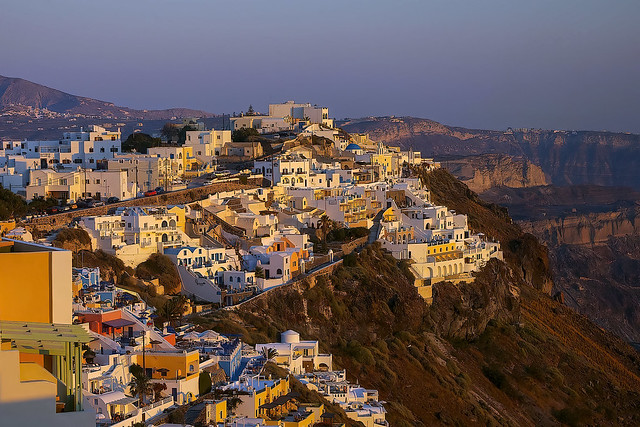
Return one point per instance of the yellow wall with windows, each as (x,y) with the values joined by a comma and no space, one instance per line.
(220,411)
(439,249)
(177,364)
(180,220)
(6,226)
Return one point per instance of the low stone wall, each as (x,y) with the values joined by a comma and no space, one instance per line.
(309,277)
(349,247)
(53,222)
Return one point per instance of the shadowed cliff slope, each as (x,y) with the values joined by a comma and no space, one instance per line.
(593,235)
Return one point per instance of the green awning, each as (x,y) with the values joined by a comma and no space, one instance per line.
(42,335)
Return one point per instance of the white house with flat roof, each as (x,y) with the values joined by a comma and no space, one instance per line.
(298,356)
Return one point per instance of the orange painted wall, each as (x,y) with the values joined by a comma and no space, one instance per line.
(25,287)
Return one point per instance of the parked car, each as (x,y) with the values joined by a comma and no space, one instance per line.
(53,210)
(96,203)
(159,190)
(113,200)
(150,193)
(82,203)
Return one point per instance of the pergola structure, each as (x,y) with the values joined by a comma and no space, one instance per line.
(60,344)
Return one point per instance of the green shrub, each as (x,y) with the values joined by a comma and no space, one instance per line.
(161,267)
(350,260)
(360,353)
(204,383)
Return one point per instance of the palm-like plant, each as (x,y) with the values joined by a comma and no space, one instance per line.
(158,388)
(269,353)
(140,384)
(173,309)
(325,223)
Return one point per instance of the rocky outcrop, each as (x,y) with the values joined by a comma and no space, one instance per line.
(593,235)
(486,171)
(463,312)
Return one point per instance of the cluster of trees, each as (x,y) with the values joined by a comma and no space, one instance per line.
(347,234)
(244,135)
(176,132)
(14,206)
(140,142)
(173,310)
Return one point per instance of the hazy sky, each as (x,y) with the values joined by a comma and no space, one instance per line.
(572,64)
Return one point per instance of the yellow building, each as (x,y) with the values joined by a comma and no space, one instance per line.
(390,164)
(441,248)
(35,284)
(40,351)
(307,420)
(40,380)
(171,365)
(179,210)
(179,370)
(270,391)
(216,410)
(182,159)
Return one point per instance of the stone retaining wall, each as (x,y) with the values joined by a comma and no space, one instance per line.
(53,222)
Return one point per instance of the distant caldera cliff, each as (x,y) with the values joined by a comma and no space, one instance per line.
(565,157)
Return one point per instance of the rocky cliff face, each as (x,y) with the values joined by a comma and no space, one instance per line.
(567,158)
(480,173)
(602,282)
(463,312)
(593,235)
(586,229)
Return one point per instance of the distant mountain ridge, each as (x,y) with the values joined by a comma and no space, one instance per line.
(17,95)
(565,157)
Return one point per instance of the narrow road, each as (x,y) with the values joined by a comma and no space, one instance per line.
(375,228)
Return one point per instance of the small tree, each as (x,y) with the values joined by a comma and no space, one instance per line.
(325,223)
(140,384)
(259,273)
(158,388)
(204,383)
(244,134)
(269,353)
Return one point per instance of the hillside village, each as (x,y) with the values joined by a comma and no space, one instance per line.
(295,197)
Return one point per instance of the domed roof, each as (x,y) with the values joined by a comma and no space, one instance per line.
(353,146)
